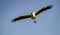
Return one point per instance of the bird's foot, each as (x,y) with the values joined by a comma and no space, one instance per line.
(35,22)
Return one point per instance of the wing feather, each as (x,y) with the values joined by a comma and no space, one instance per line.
(21,17)
(43,9)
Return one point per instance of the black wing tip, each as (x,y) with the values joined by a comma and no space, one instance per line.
(16,19)
(13,20)
(49,6)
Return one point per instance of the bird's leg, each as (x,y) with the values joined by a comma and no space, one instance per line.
(34,21)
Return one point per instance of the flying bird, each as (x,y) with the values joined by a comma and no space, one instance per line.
(33,14)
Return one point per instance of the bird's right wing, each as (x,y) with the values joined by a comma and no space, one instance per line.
(21,17)
(43,9)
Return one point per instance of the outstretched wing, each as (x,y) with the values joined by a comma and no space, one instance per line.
(21,17)
(43,9)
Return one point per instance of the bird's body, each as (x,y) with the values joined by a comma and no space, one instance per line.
(32,15)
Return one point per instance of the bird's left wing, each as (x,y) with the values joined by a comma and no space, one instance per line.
(21,17)
(43,9)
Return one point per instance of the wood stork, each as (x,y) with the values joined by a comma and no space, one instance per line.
(32,15)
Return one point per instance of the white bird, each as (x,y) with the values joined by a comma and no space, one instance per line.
(32,15)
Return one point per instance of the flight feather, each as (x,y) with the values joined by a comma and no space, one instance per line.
(21,17)
(43,9)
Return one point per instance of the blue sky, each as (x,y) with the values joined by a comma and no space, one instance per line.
(48,22)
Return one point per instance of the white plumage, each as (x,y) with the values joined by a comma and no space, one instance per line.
(32,15)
